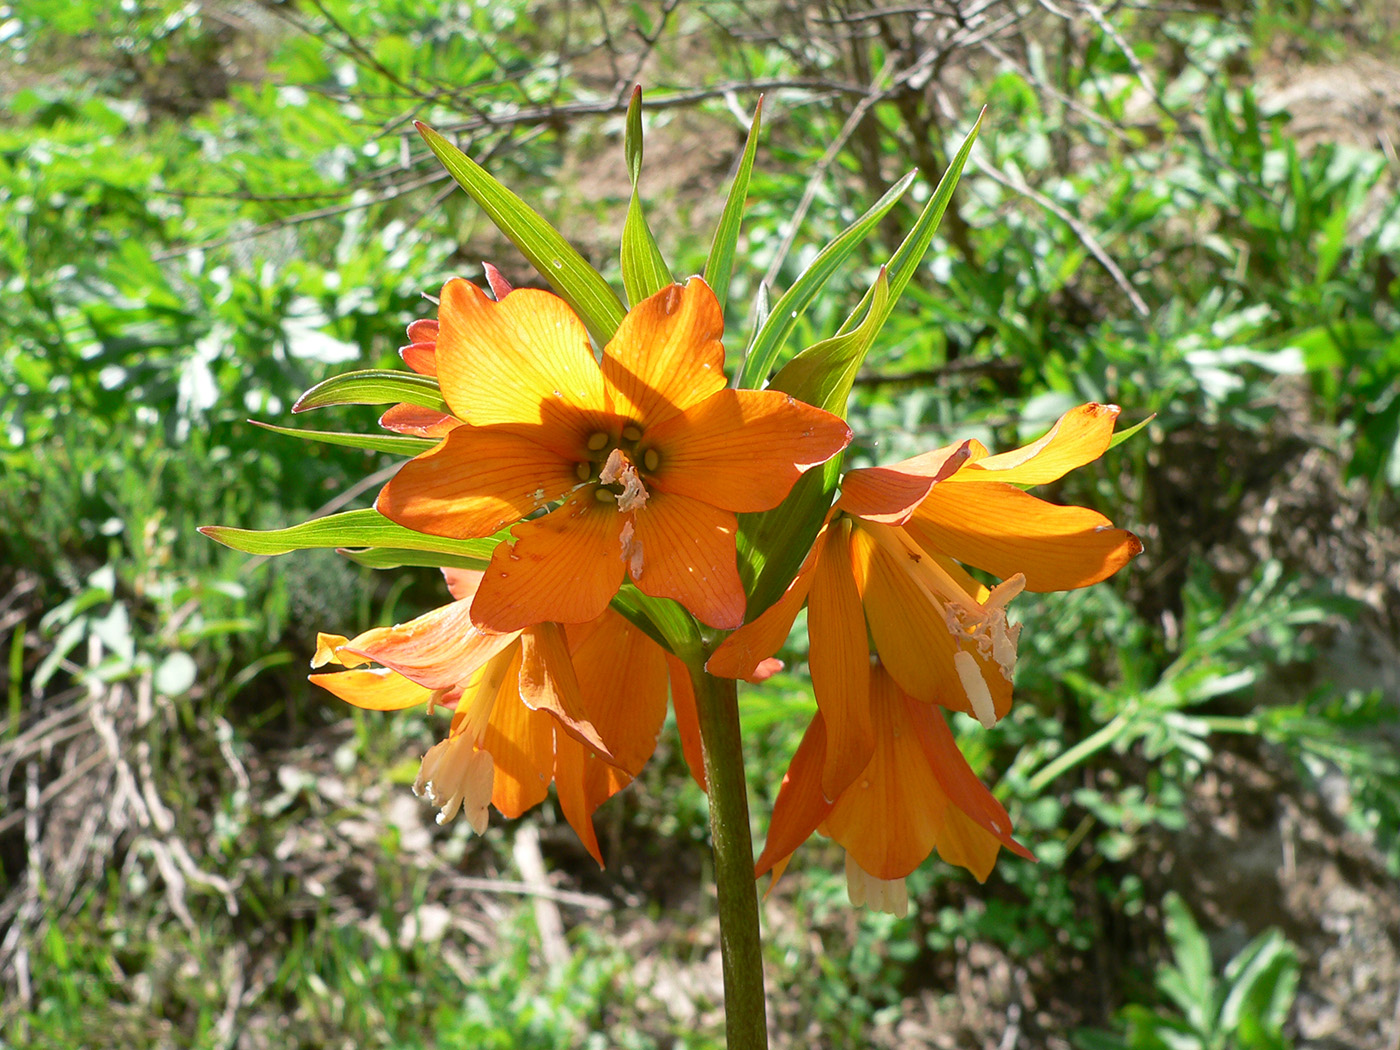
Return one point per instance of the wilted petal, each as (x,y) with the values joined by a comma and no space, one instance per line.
(1078,437)
(375,689)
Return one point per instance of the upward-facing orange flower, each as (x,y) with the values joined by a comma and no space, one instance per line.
(649,451)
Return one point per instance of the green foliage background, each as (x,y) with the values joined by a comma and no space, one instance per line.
(205,209)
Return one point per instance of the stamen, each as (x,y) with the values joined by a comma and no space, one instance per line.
(455,776)
(632,433)
(603,495)
(583,471)
(651,459)
(631,550)
(869,891)
(975,686)
(619,468)
(597,441)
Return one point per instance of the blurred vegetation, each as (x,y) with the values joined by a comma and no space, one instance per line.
(207,208)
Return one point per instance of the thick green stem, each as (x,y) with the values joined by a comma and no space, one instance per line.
(745,1018)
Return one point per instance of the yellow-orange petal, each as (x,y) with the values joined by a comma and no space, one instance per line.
(890,494)
(684,549)
(418,421)
(968,794)
(440,649)
(622,678)
(800,807)
(376,689)
(564,567)
(889,819)
(584,783)
(912,634)
(521,742)
(687,719)
(328,651)
(840,663)
(525,360)
(742,450)
(548,683)
(474,483)
(666,355)
(741,654)
(1078,437)
(462,583)
(421,357)
(1003,530)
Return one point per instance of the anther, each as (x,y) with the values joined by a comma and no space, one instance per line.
(651,459)
(582,471)
(604,496)
(632,433)
(597,441)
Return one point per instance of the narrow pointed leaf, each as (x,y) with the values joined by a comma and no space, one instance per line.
(644,271)
(769,341)
(557,261)
(353,528)
(719,267)
(824,373)
(396,443)
(374,387)
(905,261)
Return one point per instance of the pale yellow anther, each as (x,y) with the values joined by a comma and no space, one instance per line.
(582,471)
(632,433)
(651,459)
(597,441)
(604,496)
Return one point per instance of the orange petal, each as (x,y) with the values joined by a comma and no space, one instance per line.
(684,549)
(418,421)
(800,807)
(742,449)
(521,743)
(889,819)
(743,652)
(968,794)
(564,567)
(423,330)
(890,494)
(912,635)
(523,360)
(687,719)
(474,483)
(377,689)
(440,649)
(840,663)
(622,677)
(584,783)
(548,683)
(1003,530)
(666,355)
(462,583)
(421,357)
(1079,436)
(500,287)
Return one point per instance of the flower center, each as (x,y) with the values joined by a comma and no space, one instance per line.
(619,466)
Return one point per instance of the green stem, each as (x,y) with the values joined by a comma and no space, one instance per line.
(1096,741)
(745,1020)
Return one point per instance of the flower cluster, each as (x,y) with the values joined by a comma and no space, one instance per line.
(627,469)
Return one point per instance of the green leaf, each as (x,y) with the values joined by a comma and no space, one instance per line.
(397,558)
(399,444)
(374,387)
(772,544)
(664,621)
(1123,435)
(769,341)
(719,266)
(557,261)
(644,271)
(353,528)
(905,261)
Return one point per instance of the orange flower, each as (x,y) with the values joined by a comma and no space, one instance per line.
(650,453)
(915,794)
(578,705)
(886,567)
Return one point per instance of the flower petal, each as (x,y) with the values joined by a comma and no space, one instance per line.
(800,807)
(1003,530)
(521,741)
(890,494)
(913,635)
(421,357)
(564,567)
(524,360)
(684,549)
(376,689)
(742,450)
(1079,436)
(889,819)
(666,355)
(622,677)
(548,683)
(584,783)
(687,719)
(474,483)
(440,649)
(840,663)
(957,779)
(743,652)
(418,421)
